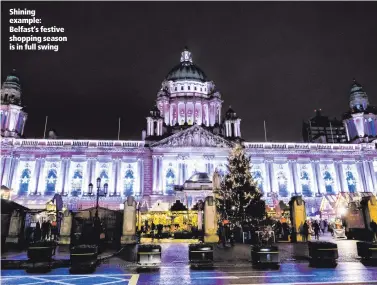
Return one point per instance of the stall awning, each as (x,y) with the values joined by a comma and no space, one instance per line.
(7,207)
(32,202)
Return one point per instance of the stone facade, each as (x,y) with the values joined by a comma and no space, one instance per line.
(37,169)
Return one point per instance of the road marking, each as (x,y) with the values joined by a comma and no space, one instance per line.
(319,282)
(111,282)
(46,280)
(134,279)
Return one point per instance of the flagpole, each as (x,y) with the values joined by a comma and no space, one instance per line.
(310,137)
(119,129)
(332,135)
(44,134)
(265,131)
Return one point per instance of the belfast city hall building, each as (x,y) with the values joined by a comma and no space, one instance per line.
(186,133)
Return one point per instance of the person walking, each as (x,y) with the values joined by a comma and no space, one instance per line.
(37,232)
(153,228)
(316,230)
(322,226)
(305,231)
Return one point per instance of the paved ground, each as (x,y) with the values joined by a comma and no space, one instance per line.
(232,266)
(344,273)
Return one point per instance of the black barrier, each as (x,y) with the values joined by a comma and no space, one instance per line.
(323,252)
(265,255)
(149,255)
(84,258)
(201,254)
(40,253)
(367,250)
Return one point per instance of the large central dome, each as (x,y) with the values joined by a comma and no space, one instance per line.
(186,70)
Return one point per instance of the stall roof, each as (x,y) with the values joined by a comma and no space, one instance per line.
(8,206)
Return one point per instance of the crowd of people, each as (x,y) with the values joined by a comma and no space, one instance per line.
(46,231)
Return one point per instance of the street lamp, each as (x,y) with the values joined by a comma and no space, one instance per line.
(100,193)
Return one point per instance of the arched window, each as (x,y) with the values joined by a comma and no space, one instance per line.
(305,184)
(25,181)
(372,127)
(129,183)
(76,183)
(282,184)
(104,175)
(51,179)
(329,182)
(170,181)
(351,182)
(257,176)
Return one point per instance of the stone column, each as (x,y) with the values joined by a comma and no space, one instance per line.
(35,176)
(6,164)
(267,179)
(339,184)
(291,164)
(315,174)
(65,228)
(112,180)
(129,222)
(180,173)
(115,177)
(368,177)
(342,179)
(210,221)
(119,177)
(373,176)
(12,180)
(361,176)
(141,177)
(60,182)
(321,184)
(297,178)
(160,174)
(154,174)
(41,178)
(67,178)
(14,228)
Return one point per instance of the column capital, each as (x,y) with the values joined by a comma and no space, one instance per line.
(182,156)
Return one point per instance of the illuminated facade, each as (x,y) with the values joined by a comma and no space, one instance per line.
(185,135)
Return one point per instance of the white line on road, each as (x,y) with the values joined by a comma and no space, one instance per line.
(47,280)
(65,275)
(112,282)
(319,282)
(256,276)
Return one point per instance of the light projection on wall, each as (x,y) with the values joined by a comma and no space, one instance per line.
(305,183)
(104,174)
(25,180)
(349,174)
(221,169)
(329,182)
(257,176)
(351,182)
(76,182)
(170,179)
(129,179)
(51,179)
(282,184)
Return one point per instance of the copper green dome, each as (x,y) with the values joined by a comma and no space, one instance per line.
(186,70)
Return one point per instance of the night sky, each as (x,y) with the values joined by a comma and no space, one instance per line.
(273,61)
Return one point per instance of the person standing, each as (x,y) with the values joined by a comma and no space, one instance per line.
(305,231)
(316,230)
(37,232)
(322,226)
(153,228)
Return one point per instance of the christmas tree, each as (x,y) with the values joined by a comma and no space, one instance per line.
(239,196)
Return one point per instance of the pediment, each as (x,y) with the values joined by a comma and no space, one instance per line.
(195,136)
